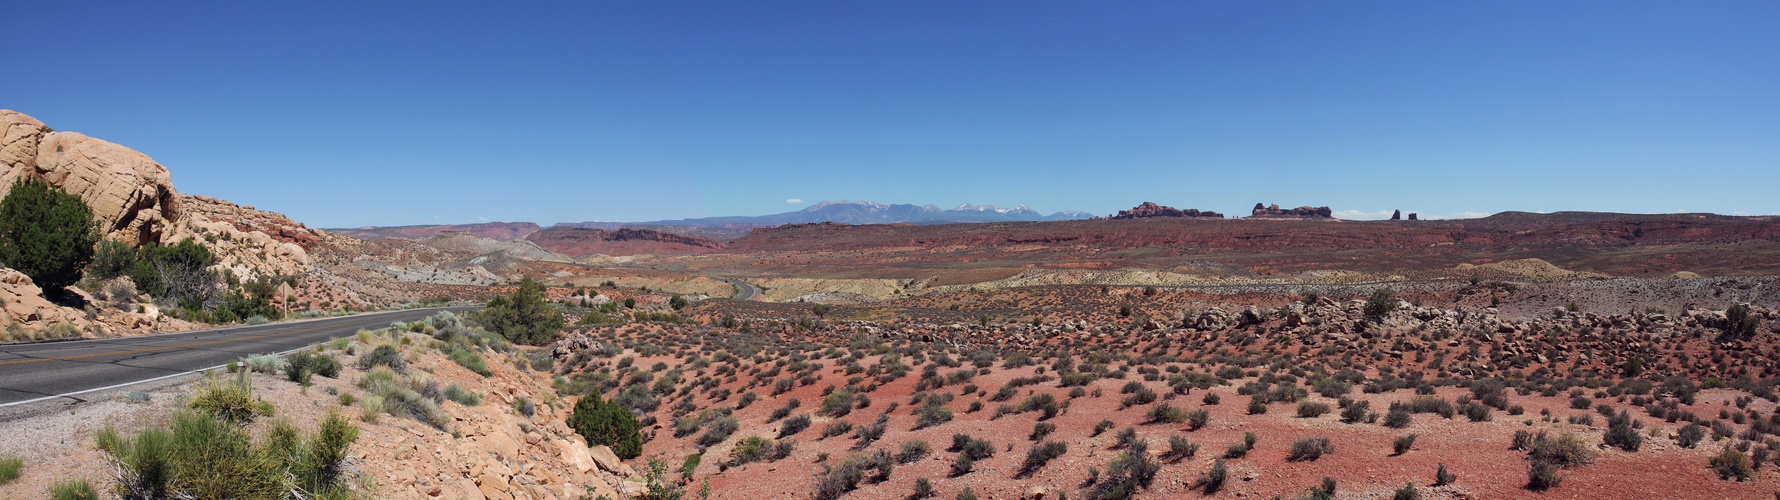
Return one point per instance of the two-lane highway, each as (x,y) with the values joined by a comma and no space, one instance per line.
(33,371)
(744,290)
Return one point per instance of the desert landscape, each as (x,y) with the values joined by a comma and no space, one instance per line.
(890,251)
(1154,353)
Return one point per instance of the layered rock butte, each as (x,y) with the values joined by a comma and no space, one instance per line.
(1306,212)
(576,241)
(1148,209)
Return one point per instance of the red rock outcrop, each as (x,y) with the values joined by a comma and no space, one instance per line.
(248,219)
(131,195)
(1148,209)
(1273,211)
(1617,242)
(575,241)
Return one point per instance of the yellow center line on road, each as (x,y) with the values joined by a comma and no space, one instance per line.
(181,346)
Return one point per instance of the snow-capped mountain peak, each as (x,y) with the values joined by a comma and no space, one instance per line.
(993,208)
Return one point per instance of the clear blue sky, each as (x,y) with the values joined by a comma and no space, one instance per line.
(437,112)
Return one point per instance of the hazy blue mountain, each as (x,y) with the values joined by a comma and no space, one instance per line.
(869,212)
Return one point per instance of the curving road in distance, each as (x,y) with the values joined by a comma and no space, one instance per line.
(744,290)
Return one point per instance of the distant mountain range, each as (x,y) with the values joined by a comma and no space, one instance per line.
(726,228)
(871,212)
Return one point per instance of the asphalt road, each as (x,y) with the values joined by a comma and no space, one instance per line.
(32,371)
(745,290)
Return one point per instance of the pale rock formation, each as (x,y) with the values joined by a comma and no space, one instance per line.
(131,195)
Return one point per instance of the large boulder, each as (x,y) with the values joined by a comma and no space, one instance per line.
(131,195)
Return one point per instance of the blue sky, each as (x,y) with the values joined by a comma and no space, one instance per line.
(386,114)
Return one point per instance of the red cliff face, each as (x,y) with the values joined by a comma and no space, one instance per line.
(585,241)
(248,219)
(1610,243)
(1147,210)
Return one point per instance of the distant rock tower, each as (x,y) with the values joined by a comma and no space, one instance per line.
(1396,215)
(1412,216)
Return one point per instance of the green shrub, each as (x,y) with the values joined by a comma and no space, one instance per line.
(717,430)
(1308,409)
(1739,323)
(10,466)
(1132,470)
(1213,479)
(1102,427)
(1164,413)
(462,396)
(749,450)
(1443,477)
(1355,411)
(1621,434)
(1402,444)
(1310,449)
(469,359)
(200,456)
(930,415)
(1180,448)
(794,425)
(911,450)
(414,397)
(226,401)
(525,317)
(1407,492)
(923,489)
(324,455)
(1197,419)
(46,233)
(1690,435)
(299,365)
(383,355)
(1542,475)
(1477,412)
(178,273)
(144,461)
(1732,465)
(1381,303)
(1039,455)
(839,478)
(371,407)
(603,423)
(1397,418)
(1126,437)
(112,259)
(1566,451)
(73,489)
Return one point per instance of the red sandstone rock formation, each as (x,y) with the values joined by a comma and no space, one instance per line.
(1148,209)
(583,241)
(1273,211)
